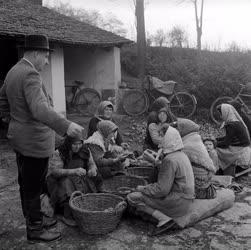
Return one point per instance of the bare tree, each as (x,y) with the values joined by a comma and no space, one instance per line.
(141,38)
(160,37)
(177,37)
(198,10)
(199,21)
(93,17)
(149,39)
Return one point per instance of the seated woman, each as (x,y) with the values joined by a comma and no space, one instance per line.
(173,193)
(71,168)
(203,167)
(158,104)
(245,117)
(156,129)
(234,148)
(104,112)
(99,144)
(210,144)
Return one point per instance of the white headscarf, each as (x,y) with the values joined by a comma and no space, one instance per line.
(172,141)
(229,114)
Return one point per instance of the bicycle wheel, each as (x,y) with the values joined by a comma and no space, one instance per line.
(183,104)
(135,102)
(87,101)
(214,114)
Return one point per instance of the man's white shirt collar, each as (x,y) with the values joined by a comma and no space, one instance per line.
(29,62)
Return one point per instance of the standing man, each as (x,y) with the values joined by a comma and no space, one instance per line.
(31,131)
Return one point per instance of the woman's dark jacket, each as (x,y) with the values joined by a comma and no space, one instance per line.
(236,135)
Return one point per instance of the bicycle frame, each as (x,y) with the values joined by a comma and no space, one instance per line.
(239,99)
(76,86)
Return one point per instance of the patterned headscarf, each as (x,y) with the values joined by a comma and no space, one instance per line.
(106,127)
(171,141)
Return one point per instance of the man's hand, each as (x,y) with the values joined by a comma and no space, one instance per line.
(92,172)
(80,172)
(74,130)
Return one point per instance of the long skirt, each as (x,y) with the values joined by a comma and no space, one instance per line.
(238,156)
(204,189)
(173,205)
(60,189)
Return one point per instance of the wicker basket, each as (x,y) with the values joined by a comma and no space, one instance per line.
(148,173)
(97,213)
(122,185)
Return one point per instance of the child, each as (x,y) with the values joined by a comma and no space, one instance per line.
(209,143)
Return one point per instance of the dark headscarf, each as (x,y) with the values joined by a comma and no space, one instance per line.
(66,153)
(159,103)
(162,102)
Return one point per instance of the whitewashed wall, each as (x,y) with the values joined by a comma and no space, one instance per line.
(98,68)
(54,78)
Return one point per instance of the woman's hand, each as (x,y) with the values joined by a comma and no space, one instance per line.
(79,172)
(92,172)
(125,145)
(140,188)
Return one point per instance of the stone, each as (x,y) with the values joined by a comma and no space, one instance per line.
(192,232)
(123,235)
(235,213)
(111,244)
(247,198)
(215,245)
(163,247)
(242,230)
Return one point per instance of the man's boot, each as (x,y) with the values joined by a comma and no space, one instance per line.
(49,222)
(37,233)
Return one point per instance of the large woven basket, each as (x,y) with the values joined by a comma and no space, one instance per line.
(148,173)
(122,185)
(97,213)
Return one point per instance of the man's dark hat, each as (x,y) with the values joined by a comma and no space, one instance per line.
(36,42)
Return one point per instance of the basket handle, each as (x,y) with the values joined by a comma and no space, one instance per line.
(122,205)
(75,194)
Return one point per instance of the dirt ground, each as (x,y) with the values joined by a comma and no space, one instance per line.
(230,229)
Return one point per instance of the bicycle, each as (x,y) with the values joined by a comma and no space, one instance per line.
(244,99)
(137,102)
(85,100)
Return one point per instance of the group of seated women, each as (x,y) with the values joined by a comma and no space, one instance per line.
(185,166)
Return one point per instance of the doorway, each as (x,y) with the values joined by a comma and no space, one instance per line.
(8,56)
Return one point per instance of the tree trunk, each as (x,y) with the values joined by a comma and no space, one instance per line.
(199,21)
(141,39)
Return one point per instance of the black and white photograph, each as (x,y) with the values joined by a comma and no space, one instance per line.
(125,124)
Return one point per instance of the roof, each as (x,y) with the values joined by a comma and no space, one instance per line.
(19,18)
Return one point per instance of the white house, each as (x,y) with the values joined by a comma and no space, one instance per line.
(81,52)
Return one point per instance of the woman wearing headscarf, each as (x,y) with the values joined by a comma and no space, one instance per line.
(71,168)
(161,103)
(202,164)
(99,144)
(171,196)
(234,148)
(104,112)
(245,117)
